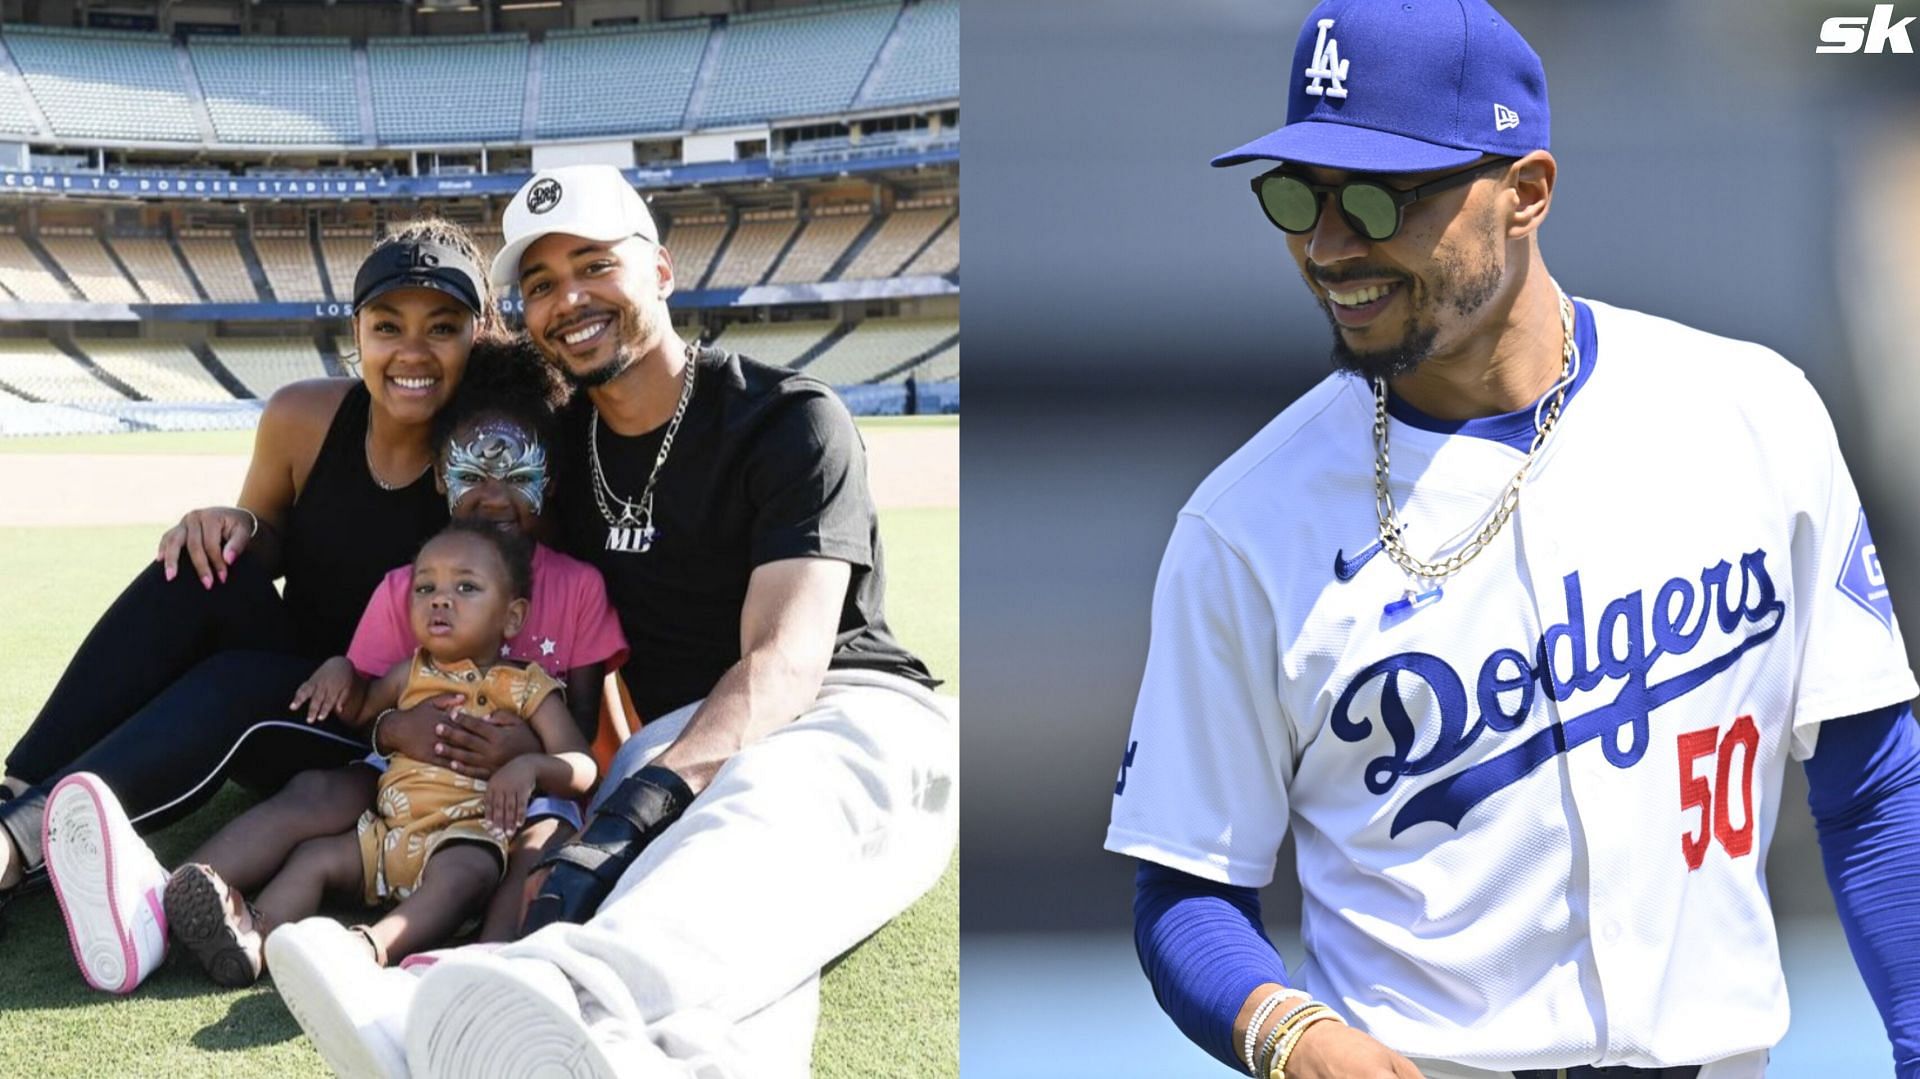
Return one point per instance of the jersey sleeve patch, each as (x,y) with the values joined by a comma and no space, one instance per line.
(1861,579)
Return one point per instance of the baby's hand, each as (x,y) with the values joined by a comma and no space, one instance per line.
(326,691)
(508,793)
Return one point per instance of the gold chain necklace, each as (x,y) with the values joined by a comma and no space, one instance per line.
(1425,578)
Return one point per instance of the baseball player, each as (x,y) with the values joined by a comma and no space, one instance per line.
(1514,621)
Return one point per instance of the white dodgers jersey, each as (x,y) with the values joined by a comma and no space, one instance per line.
(1532,817)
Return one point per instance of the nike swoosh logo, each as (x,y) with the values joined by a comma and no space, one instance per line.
(1344,568)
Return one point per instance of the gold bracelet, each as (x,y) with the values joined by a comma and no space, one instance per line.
(1301,1006)
(1292,1041)
(1295,1022)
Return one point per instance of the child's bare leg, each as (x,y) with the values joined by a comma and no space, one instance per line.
(317,803)
(318,867)
(509,902)
(457,879)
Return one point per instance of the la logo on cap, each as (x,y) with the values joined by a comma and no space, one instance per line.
(544,196)
(1326,65)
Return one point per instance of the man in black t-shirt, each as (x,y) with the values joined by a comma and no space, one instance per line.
(766,466)
(793,787)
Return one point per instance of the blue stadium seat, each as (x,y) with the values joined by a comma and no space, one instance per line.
(453,89)
(599,82)
(292,90)
(925,62)
(781,64)
(99,84)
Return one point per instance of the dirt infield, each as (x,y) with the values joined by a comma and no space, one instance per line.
(907,468)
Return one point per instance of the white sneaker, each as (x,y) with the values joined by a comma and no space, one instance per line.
(479,1016)
(108,883)
(349,1006)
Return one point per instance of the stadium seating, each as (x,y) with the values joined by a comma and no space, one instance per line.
(37,367)
(691,242)
(287,257)
(756,243)
(449,89)
(925,62)
(151,261)
(16,117)
(87,264)
(99,84)
(598,82)
(217,262)
(821,243)
(801,63)
(942,256)
(877,346)
(278,90)
(305,91)
(345,250)
(157,370)
(777,343)
(26,276)
(896,241)
(264,365)
(942,366)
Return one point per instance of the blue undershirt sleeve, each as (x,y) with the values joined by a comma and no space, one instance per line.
(1204,951)
(1863,785)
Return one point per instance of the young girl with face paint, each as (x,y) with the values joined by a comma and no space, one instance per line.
(203,661)
(493,469)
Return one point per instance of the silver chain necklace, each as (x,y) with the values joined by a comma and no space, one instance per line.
(631,531)
(1425,577)
(375,473)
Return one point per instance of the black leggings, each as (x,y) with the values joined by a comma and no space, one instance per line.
(176,688)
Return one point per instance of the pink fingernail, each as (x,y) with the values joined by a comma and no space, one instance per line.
(206,582)
(171,572)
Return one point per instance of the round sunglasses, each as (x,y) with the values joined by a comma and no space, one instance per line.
(1370,207)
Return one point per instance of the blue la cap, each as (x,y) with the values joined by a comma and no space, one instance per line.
(1406,86)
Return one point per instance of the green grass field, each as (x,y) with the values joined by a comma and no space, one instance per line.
(889,1008)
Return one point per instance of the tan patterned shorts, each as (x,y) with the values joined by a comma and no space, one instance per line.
(420,808)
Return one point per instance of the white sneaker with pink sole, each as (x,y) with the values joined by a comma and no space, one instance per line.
(109,885)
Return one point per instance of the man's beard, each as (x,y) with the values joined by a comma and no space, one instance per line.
(631,327)
(1458,284)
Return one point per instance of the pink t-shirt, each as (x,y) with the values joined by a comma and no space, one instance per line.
(568,625)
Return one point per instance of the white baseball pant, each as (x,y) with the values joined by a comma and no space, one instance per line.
(805,843)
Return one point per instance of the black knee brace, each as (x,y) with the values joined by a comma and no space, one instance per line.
(585,869)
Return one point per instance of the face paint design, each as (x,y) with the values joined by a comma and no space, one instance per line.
(501,452)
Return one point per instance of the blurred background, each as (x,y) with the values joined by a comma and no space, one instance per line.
(1135,319)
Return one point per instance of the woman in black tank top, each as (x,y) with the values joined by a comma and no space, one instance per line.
(186,678)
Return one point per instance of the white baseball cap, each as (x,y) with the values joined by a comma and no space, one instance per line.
(593,202)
